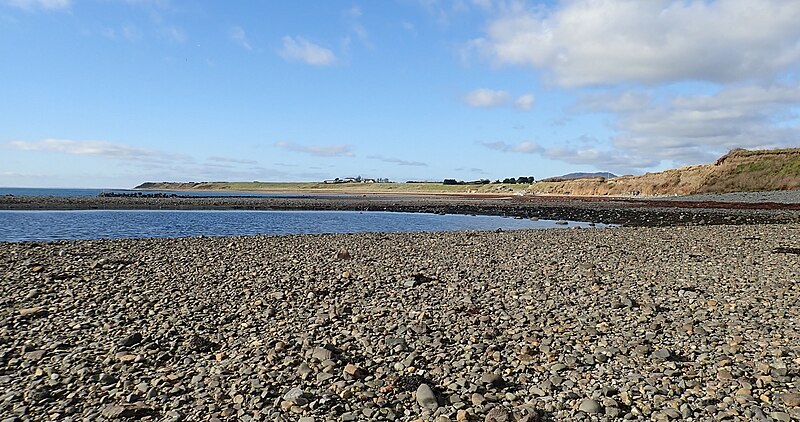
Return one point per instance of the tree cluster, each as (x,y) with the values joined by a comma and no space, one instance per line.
(522,180)
(510,180)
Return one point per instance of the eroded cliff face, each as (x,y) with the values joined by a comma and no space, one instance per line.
(737,171)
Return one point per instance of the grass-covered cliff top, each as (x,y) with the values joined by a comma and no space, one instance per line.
(738,171)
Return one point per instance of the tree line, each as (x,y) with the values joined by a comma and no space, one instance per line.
(527,180)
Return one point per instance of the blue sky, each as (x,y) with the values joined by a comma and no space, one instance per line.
(111,93)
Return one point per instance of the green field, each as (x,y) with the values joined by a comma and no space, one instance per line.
(316,187)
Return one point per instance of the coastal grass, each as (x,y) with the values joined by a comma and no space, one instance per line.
(339,188)
(738,171)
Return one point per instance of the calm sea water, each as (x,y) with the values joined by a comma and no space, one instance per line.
(18,226)
(95,192)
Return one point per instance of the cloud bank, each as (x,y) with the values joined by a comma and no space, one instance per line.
(688,129)
(680,82)
(490,98)
(683,129)
(606,42)
(102,149)
(584,155)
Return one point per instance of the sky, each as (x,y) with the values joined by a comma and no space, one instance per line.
(113,93)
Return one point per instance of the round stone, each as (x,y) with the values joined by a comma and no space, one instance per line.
(590,406)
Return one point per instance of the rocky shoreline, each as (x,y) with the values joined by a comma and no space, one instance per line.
(629,212)
(671,323)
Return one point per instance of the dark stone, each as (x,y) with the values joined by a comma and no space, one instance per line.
(131,340)
(127,411)
(200,344)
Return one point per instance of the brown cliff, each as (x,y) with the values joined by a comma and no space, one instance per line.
(738,171)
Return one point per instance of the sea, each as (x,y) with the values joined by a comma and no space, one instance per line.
(20,226)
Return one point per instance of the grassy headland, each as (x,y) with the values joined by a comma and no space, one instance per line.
(737,171)
(341,188)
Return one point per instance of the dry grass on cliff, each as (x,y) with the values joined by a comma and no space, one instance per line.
(737,171)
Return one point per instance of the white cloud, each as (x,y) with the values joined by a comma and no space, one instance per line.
(302,50)
(606,159)
(102,149)
(484,98)
(597,42)
(227,160)
(585,154)
(38,4)
(475,170)
(690,129)
(409,27)
(174,34)
(445,11)
(353,12)
(744,53)
(483,4)
(489,98)
(683,130)
(525,102)
(523,147)
(612,101)
(397,161)
(361,33)
(353,16)
(139,164)
(130,33)
(156,4)
(317,150)
(239,36)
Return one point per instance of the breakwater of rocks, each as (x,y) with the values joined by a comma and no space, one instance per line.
(611,211)
(136,195)
(675,323)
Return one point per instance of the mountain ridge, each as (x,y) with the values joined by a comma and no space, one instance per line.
(581,175)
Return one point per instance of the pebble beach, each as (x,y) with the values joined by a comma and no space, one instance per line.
(631,323)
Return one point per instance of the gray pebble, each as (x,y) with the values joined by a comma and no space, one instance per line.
(590,406)
(426,398)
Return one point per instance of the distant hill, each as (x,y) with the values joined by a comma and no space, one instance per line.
(580,175)
(738,171)
(170,186)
